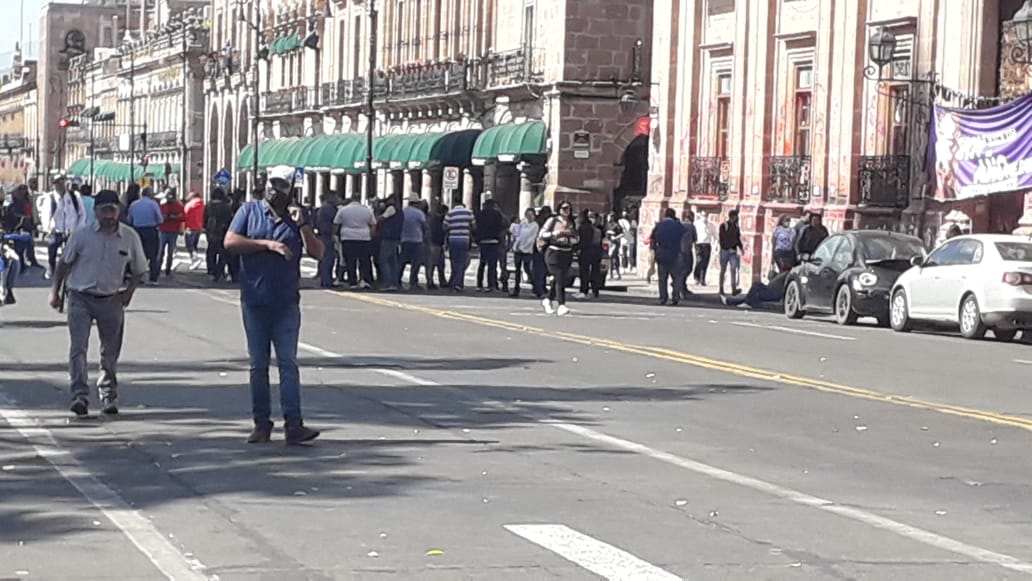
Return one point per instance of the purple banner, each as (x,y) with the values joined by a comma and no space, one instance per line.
(984,151)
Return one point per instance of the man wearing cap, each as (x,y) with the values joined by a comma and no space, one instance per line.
(65,213)
(269,235)
(92,270)
(414,232)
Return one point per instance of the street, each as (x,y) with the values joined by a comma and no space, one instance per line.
(473,437)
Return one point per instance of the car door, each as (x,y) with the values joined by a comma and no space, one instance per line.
(926,296)
(953,278)
(817,270)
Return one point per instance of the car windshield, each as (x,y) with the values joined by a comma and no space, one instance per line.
(1015,251)
(883,248)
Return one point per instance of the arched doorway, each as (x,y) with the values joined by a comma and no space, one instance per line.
(634,179)
(211,144)
(228,135)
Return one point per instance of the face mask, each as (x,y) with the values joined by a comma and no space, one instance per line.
(277,200)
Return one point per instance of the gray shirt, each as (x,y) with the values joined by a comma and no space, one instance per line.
(97,260)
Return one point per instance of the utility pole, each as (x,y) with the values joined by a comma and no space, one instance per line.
(132,114)
(93,120)
(370,120)
(255,87)
(183,173)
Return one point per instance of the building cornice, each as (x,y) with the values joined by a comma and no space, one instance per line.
(898,22)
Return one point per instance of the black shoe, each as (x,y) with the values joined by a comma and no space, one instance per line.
(80,406)
(9,299)
(261,434)
(675,302)
(662,302)
(109,406)
(297,433)
(736,292)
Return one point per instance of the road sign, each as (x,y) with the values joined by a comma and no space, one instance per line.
(581,145)
(222,177)
(299,176)
(451,178)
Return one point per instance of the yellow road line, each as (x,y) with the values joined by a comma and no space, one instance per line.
(707,363)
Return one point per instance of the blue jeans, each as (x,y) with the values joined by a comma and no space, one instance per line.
(729,260)
(490,256)
(193,240)
(329,258)
(390,272)
(758,294)
(54,243)
(167,248)
(9,270)
(411,254)
(459,250)
(276,326)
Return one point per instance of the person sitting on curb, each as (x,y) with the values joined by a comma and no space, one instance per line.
(759,293)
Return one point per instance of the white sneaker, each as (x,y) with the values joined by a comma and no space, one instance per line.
(548,305)
(744,306)
(579,296)
(562,310)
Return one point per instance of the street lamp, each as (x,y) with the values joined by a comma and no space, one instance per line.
(881,46)
(1022,23)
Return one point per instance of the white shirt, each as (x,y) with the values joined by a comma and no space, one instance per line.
(63,214)
(524,236)
(354,221)
(706,230)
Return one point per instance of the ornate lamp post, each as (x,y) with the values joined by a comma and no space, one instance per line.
(1022,23)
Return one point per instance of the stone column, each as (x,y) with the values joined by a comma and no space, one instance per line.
(320,186)
(427,192)
(526,192)
(1025,223)
(406,184)
(365,187)
(467,188)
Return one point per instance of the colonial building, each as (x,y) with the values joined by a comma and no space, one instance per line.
(775,107)
(527,102)
(18,153)
(138,108)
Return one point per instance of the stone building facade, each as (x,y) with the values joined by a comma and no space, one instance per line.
(139,105)
(763,106)
(17,150)
(564,82)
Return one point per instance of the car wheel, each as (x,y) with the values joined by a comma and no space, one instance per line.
(1005,336)
(971,326)
(793,301)
(844,313)
(899,315)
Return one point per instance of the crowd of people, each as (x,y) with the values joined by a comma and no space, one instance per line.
(380,244)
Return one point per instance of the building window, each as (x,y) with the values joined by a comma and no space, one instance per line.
(528,28)
(802,109)
(899,119)
(723,126)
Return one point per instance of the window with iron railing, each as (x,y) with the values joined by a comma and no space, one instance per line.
(802,109)
(723,119)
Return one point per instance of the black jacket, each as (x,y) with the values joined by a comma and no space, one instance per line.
(490,226)
(730,236)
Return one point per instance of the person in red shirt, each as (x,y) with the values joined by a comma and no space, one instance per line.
(173,212)
(194,226)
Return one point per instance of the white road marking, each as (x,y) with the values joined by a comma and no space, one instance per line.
(1023,362)
(794,331)
(600,558)
(172,563)
(318,350)
(879,522)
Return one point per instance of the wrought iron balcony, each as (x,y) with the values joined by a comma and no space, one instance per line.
(514,67)
(430,79)
(790,179)
(12,141)
(163,140)
(277,101)
(710,177)
(884,181)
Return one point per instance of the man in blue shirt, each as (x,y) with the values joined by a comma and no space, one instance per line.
(413,236)
(145,217)
(269,236)
(666,239)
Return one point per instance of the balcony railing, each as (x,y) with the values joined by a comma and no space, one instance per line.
(432,79)
(509,68)
(884,181)
(277,101)
(163,139)
(790,179)
(710,177)
(343,92)
(12,141)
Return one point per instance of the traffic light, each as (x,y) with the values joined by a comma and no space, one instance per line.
(65,123)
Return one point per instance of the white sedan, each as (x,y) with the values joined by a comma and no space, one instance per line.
(978,283)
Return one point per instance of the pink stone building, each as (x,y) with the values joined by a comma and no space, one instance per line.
(763,105)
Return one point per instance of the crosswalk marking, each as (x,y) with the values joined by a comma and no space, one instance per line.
(600,558)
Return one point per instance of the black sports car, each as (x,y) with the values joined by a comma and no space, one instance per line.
(850,275)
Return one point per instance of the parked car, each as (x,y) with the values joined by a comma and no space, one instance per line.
(850,275)
(977,283)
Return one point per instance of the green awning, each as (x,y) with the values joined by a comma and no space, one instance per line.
(448,150)
(511,143)
(278,152)
(350,153)
(285,44)
(401,154)
(383,150)
(312,150)
(246,158)
(81,167)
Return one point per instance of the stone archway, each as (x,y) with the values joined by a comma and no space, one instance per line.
(228,135)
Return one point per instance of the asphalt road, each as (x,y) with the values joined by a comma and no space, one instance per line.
(474,437)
